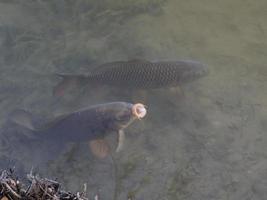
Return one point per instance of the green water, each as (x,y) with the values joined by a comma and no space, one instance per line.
(207,143)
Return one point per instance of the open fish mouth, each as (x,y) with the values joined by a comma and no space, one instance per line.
(139,110)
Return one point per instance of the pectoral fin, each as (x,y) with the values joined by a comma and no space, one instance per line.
(138,61)
(121,140)
(99,148)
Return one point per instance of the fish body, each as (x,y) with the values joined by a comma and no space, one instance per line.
(138,74)
(91,124)
(87,124)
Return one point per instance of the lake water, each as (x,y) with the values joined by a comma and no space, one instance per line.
(206,142)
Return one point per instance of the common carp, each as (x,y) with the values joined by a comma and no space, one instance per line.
(136,74)
(91,124)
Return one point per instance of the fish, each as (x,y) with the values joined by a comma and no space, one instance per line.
(90,124)
(135,74)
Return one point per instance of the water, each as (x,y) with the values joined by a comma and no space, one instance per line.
(206,142)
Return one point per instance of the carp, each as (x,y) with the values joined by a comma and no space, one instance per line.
(136,74)
(90,124)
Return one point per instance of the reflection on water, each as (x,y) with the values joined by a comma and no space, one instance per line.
(205,141)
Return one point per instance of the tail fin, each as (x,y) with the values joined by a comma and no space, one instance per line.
(20,141)
(25,119)
(67,82)
(22,118)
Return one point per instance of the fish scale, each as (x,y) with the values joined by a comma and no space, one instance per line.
(147,74)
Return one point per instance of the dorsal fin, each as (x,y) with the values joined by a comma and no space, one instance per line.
(136,60)
(107,66)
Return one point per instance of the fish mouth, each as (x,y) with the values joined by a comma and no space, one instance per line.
(139,110)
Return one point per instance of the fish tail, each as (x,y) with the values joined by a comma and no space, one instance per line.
(23,118)
(13,135)
(21,143)
(68,82)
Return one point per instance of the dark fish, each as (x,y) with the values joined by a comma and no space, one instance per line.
(91,124)
(136,74)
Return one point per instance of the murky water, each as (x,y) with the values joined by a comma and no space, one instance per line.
(206,142)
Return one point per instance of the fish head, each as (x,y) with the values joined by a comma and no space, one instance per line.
(191,70)
(119,115)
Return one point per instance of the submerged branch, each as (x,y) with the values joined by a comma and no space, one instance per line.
(38,189)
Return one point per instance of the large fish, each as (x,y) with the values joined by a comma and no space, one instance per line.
(91,124)
(136,74)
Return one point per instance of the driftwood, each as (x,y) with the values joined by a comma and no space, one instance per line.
(37,189)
